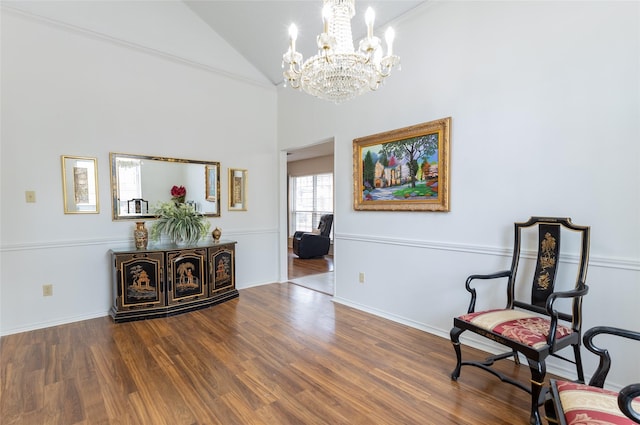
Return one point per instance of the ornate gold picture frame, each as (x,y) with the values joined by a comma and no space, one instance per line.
(237,189)
(80,185)
(403,170)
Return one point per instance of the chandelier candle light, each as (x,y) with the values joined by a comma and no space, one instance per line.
(338,72)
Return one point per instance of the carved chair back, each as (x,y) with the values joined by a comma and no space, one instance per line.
(547,252)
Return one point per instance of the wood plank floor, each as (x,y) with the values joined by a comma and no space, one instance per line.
(298,267)
(278,354)
(312,273)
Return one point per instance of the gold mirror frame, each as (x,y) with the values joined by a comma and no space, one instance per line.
(80,185)
(237,189)
(200,178)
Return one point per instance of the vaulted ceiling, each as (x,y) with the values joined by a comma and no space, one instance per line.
(262,36)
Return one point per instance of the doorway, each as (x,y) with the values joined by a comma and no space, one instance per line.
(311,273)
(307,171)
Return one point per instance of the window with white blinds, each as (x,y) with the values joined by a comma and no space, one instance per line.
(311,197)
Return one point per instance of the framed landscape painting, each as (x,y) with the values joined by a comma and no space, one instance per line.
(403,170)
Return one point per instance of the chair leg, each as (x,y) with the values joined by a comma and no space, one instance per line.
(455,339)
(580,372)
(538,372)
(549,410)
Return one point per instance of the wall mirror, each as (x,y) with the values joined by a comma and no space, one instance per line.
(139,183)
(80,185)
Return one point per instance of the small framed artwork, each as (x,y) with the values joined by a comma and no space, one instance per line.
(403,170)
(212,178)
(80,185)
(237,189)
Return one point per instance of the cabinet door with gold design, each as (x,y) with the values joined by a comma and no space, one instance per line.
(186,275)
(139,280)
(222,269)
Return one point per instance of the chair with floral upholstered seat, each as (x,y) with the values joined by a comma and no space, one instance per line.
(543,312)
(574,403)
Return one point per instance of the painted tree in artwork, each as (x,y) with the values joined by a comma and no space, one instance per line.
(384,160)
(411,150)
(135,274)
(183,271)
(421,173)
(368,170)
(413,168)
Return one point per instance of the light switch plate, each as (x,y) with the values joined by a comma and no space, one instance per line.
(30,196)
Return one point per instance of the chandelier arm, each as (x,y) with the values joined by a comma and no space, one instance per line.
(295,68)
(385,72)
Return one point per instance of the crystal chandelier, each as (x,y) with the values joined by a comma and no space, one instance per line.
(338,72)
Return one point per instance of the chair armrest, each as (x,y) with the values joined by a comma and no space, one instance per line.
(314,237)
(625,397)
(298,234)
(605,359)
(555,314)
(472,291)
(503,273)
(309,245)
(566,294)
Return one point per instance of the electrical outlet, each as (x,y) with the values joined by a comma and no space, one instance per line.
(47,290)
(361,277)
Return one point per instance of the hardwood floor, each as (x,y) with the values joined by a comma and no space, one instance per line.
(312,273)
(278,354)
(299,267)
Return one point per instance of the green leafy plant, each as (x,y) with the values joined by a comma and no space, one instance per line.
(180,222)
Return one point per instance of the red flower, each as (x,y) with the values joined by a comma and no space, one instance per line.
(178,191)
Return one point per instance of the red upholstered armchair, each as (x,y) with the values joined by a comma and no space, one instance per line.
(309,245)
(575,403)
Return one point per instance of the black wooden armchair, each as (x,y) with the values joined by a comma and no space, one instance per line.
(309,245)
(571,403)
(540,326)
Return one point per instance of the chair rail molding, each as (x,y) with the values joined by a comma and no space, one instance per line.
(594,261)
(116,242)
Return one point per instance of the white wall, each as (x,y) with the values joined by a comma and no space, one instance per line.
(545,106)
(168,28)
(75,91)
